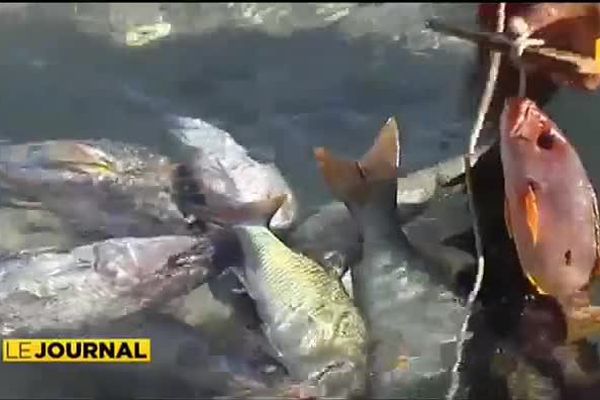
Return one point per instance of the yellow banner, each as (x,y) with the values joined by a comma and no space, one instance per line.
(77,350)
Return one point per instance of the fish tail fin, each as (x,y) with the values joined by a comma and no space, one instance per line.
(355,182)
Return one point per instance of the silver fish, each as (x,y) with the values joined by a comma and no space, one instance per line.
(227,172)
(408,313)
(101,189)
(96,282)
(26,228)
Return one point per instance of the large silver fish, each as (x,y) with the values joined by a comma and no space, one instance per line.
(26,228)
(227,173)
(408,313)
(98,282)
(307,315)
(101,189)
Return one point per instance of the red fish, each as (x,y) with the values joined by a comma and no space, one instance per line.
(551,212)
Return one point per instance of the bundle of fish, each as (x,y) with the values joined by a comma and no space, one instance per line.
(362,298)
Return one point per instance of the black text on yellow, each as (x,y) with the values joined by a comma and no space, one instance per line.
(77,350)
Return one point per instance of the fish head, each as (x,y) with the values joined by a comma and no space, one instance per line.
(152,269)
(531,139)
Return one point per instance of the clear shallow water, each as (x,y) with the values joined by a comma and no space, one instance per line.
(280,78)
(280,87)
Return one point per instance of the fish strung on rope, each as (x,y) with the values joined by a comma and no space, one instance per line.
(551,212)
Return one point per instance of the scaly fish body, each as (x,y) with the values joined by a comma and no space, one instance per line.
(97,282)
(307,315)
(408,315)
(101,187)
(550,204)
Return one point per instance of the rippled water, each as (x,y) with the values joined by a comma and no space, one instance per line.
(281,78)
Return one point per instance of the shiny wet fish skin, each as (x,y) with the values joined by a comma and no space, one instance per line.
(227,173)
(98,282)
(309,319)
(128,186)
(551,213)
(408,313)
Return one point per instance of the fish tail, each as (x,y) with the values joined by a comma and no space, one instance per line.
(357,182)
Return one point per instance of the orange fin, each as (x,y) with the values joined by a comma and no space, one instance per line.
(507,218)
(343,177)
(382,160)
(532,213)
(351,181)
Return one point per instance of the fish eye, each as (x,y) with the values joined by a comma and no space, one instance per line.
(546,139)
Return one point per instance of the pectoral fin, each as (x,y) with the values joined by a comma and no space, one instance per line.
(532,213)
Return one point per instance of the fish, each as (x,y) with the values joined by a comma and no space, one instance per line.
(42,288)
(307,316)
(186,363)
(331,236)
(550,212)
(227,173)
(408,313)
(99,189)
(26,228)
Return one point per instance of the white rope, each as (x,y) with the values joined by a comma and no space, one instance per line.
(519,46)
(483,109)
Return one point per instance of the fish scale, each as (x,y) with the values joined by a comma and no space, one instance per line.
(408,313)
(307,315)
(292,274)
